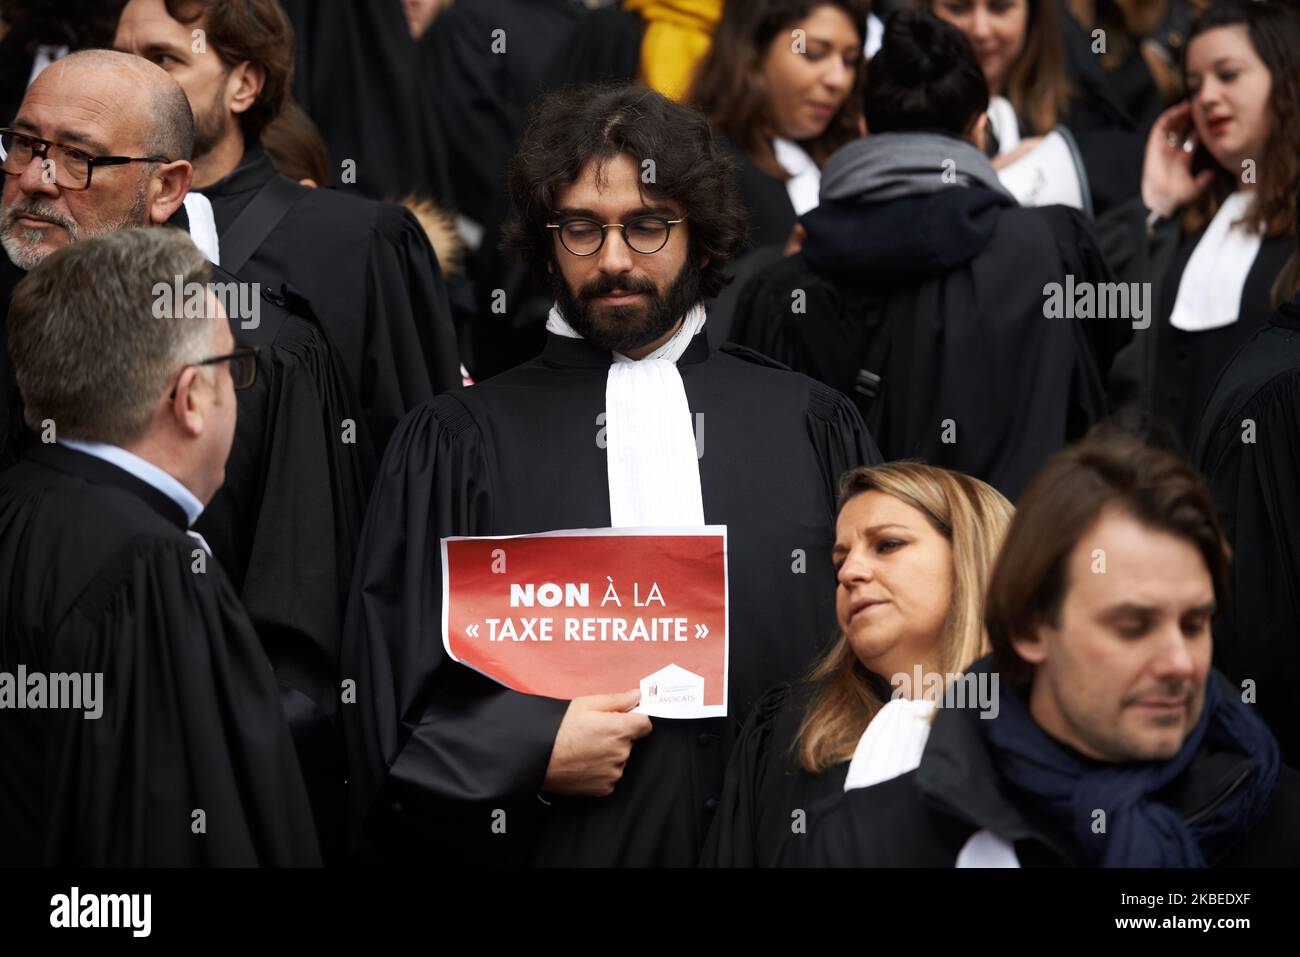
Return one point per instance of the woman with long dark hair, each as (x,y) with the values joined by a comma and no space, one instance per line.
(1214,232)
(1038,90)
(780,84)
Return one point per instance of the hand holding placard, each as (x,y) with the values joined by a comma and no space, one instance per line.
(593,744)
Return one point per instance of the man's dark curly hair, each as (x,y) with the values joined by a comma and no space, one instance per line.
(569,128)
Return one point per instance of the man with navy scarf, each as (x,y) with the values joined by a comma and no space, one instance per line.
(1114,743)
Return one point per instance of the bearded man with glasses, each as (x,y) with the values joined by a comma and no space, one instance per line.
(625,205)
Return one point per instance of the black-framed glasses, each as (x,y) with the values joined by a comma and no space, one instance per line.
(645,234)
(71,167)
(243,367)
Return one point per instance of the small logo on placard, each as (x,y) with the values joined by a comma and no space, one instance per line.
(671,689)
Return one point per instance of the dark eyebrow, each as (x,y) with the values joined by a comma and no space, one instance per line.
(79,140)
(1147,611)
(153,49)
(1219,63)
(873,530)
(62,137)
(570,212)
(1129,608)
(830,44)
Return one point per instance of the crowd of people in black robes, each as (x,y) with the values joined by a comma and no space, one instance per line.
(985,313)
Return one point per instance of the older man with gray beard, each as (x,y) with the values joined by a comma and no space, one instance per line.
(101,142)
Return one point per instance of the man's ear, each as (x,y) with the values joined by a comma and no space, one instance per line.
(167,190)
(1031,644)
(979,132)
(244,86)
(184,407)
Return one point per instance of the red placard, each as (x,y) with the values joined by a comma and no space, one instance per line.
(594,611)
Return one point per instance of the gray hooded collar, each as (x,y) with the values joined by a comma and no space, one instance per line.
(886,166)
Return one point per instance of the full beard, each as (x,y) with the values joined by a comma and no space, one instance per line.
(627,328)
(27,247)
(212,125)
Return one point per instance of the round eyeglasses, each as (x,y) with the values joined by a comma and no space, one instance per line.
(645,234)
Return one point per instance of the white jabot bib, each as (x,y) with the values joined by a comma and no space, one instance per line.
(805,182)
(654,474)
(1209,292)
(986,849)
(203,226)
(892,743)
(1003,123)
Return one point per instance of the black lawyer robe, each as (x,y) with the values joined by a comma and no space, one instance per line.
(436,749)
(480,96)
(285,523)
(1248,449)
(97,575)
(354,66)
(762,817)
(941,295)
(771,215)
(367,272)
(285,526)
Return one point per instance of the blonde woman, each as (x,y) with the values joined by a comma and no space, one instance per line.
(914,547)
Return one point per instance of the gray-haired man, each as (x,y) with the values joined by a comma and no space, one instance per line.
(142,724)
(102,142)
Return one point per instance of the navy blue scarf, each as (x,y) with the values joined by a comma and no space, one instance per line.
(1139,831)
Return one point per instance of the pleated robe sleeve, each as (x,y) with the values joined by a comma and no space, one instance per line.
(286,523)
(1250,455)
(191,723)
(734,837)
(838,434)
(410,335)
(428,739)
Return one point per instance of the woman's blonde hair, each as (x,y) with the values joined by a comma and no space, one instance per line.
(973,517)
